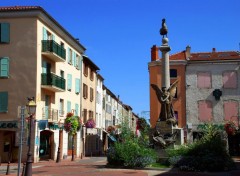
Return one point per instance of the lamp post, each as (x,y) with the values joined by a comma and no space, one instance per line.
(72,147)
(31,106)
(60,125)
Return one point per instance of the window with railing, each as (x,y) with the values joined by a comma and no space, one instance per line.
(52,46)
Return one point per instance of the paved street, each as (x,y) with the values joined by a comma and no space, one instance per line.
(96,166)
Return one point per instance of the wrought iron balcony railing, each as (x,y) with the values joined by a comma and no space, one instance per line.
(50,79)
(54,47)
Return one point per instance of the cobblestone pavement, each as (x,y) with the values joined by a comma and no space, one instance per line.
(96,166)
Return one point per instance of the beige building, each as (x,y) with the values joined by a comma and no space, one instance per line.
(91,138)
(40,59)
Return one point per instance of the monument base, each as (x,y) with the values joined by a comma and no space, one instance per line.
(163,127)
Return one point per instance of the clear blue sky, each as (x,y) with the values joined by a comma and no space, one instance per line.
(118,34)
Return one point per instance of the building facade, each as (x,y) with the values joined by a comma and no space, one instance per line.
(40,59)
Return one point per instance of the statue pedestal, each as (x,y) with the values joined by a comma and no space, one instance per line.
(163,127)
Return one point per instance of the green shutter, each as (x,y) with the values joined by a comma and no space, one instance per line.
(44,33)
(69,81)
(69,106)
(4,67)
(4,32)
(77,85)
(74,58)
(76,109)
(69,59)
(53,37)
(80,62)
(3,101)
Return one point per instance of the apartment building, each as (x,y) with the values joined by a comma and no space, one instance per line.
(40,59)
(207,91)
(213,93)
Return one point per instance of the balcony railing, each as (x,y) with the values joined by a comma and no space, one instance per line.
(53,47)
(50,114)
(53,82)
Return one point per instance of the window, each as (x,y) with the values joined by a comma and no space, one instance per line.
(77,64)
(69,106)
(3,102)
(230,79)
(77,86)
(84,115)
(4,67)
(230,110)
(85,91)
(70,55)
(176,115)
(204,80)
(91,75)
(103,103)
(76,109)
(69,82)
(4,32)
(85,69)
(61,107)
(205,110)
(90,114)
(173,73)
(62,73)
(91,94)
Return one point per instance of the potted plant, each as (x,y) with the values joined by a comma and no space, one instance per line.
(90,123)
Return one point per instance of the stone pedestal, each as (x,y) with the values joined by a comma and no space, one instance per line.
(163,127)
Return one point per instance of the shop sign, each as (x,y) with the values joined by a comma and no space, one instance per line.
(8,124)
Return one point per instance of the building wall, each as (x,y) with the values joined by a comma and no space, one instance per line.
(195,94)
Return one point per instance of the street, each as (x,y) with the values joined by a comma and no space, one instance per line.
(96,166)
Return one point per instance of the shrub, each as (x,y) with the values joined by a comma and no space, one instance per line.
(207,154)
(130,151)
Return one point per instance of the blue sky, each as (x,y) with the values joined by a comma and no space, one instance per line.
(118,34)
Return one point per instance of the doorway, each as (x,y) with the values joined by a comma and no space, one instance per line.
(46,145)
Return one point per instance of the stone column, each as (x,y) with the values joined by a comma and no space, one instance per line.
(164,48)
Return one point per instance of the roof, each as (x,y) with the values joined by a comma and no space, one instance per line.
(90,62)
(38,8)
(207,56)
(216,56)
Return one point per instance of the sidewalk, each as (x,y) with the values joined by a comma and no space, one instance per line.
(96,166)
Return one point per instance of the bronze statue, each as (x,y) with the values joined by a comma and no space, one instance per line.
(164,140)
(165,97)
(164,30)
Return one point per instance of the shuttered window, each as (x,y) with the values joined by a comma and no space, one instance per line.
(76,109)
(3,101)
(4,32)
(4,67)
(69,108)
(77,86)
(69,82)
(91,94)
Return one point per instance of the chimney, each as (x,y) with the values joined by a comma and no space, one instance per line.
(154,53)
(214,50)
(188,52)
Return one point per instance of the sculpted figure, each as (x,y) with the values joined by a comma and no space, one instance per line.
(165,97)
(164,30)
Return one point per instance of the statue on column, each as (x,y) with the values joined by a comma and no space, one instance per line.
(165,97)
(164,30)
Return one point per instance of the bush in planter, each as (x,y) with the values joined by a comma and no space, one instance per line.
(130,151)
(207,154)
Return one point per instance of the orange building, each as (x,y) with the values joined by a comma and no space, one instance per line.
(177,63)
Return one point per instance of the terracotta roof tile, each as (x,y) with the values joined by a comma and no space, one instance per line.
(20,8)
(208,56)
(178,56)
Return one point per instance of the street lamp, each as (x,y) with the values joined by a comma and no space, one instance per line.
(60,125)
(31,107)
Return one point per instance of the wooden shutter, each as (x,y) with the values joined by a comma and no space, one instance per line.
(5,32)
(77,85)
(3,101)
(69,82)
(4,67)
(69,106)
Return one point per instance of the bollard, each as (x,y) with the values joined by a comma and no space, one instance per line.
(23,169)
(8,167)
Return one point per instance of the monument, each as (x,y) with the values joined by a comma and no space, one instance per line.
(163,135)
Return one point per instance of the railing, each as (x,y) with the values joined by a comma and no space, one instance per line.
(52,46)
(53,80)
(50,114)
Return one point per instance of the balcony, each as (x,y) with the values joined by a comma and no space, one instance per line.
(53,82)
(50,114)
(53,51)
